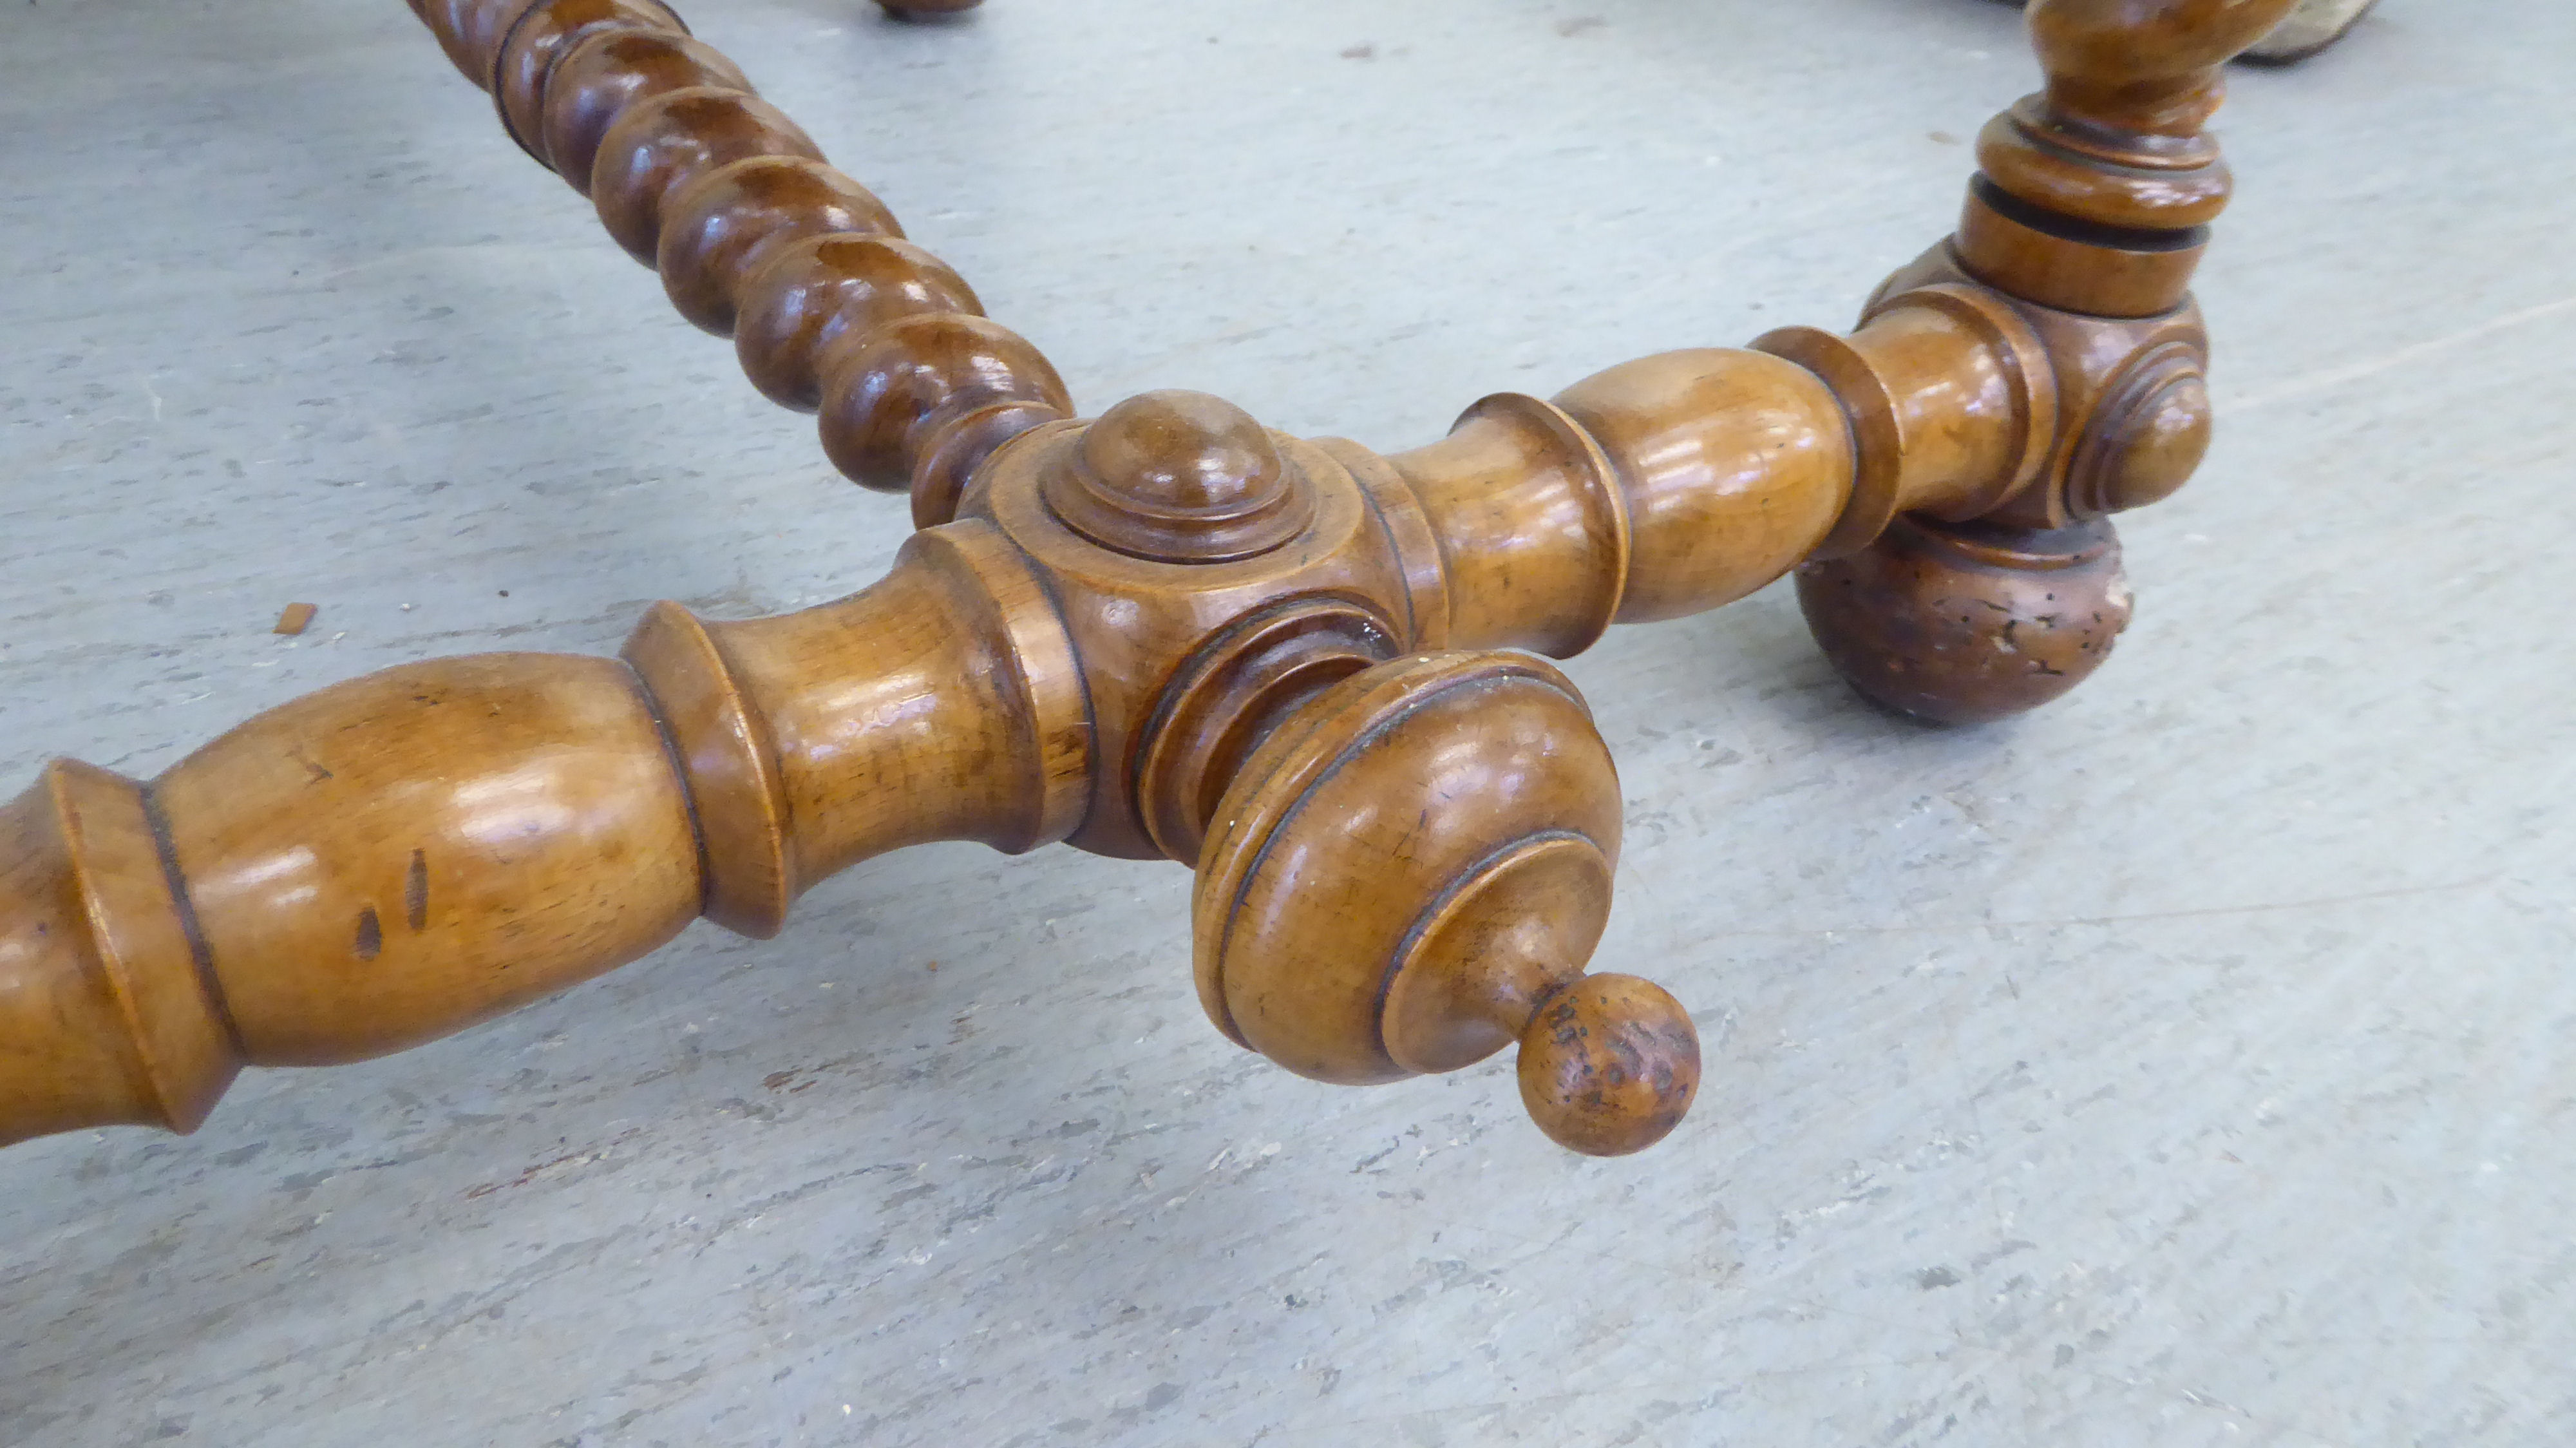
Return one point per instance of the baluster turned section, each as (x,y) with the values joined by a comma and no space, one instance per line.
(758,238)
(1170,632)
(941,703)
(1684,481)
(107,1015)
(1658,488)
(403,855)
(2096,195)
(351,873)
(2081,233)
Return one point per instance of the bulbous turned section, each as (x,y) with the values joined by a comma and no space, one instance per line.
(1966,623)
(402,855)
(1180,477)
(1410,873)
(2145,65)
(384,862)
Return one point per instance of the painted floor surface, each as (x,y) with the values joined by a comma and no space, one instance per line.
(2185,1064)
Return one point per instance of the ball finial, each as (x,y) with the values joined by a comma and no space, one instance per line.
(1609,1064)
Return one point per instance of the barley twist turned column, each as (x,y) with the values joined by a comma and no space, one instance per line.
(757,238)
(1172,633)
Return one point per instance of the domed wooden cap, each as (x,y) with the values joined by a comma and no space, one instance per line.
(1410,874)
(1180,477)
(2148,437)
(1965,623)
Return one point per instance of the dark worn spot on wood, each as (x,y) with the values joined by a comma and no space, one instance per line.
(371,934)
(416,893)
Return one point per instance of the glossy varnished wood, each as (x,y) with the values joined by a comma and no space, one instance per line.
(697,176)
(1302,667)
(2091,209)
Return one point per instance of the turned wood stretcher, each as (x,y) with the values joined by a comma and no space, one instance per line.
(1309,670)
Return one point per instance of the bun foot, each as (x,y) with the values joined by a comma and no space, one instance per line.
(926,9)
(1963,623)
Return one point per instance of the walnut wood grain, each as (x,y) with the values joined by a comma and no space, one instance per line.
(2096,194)
(757,237)
(2090,212)
(1301,667)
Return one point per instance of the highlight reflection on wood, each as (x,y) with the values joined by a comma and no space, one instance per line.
(1307,669)
(758,238)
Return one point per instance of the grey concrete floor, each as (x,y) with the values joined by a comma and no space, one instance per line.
(2184,1064)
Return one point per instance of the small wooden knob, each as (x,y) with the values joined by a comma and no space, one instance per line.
(1609,1065)
(1180,477)
(1410,873)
